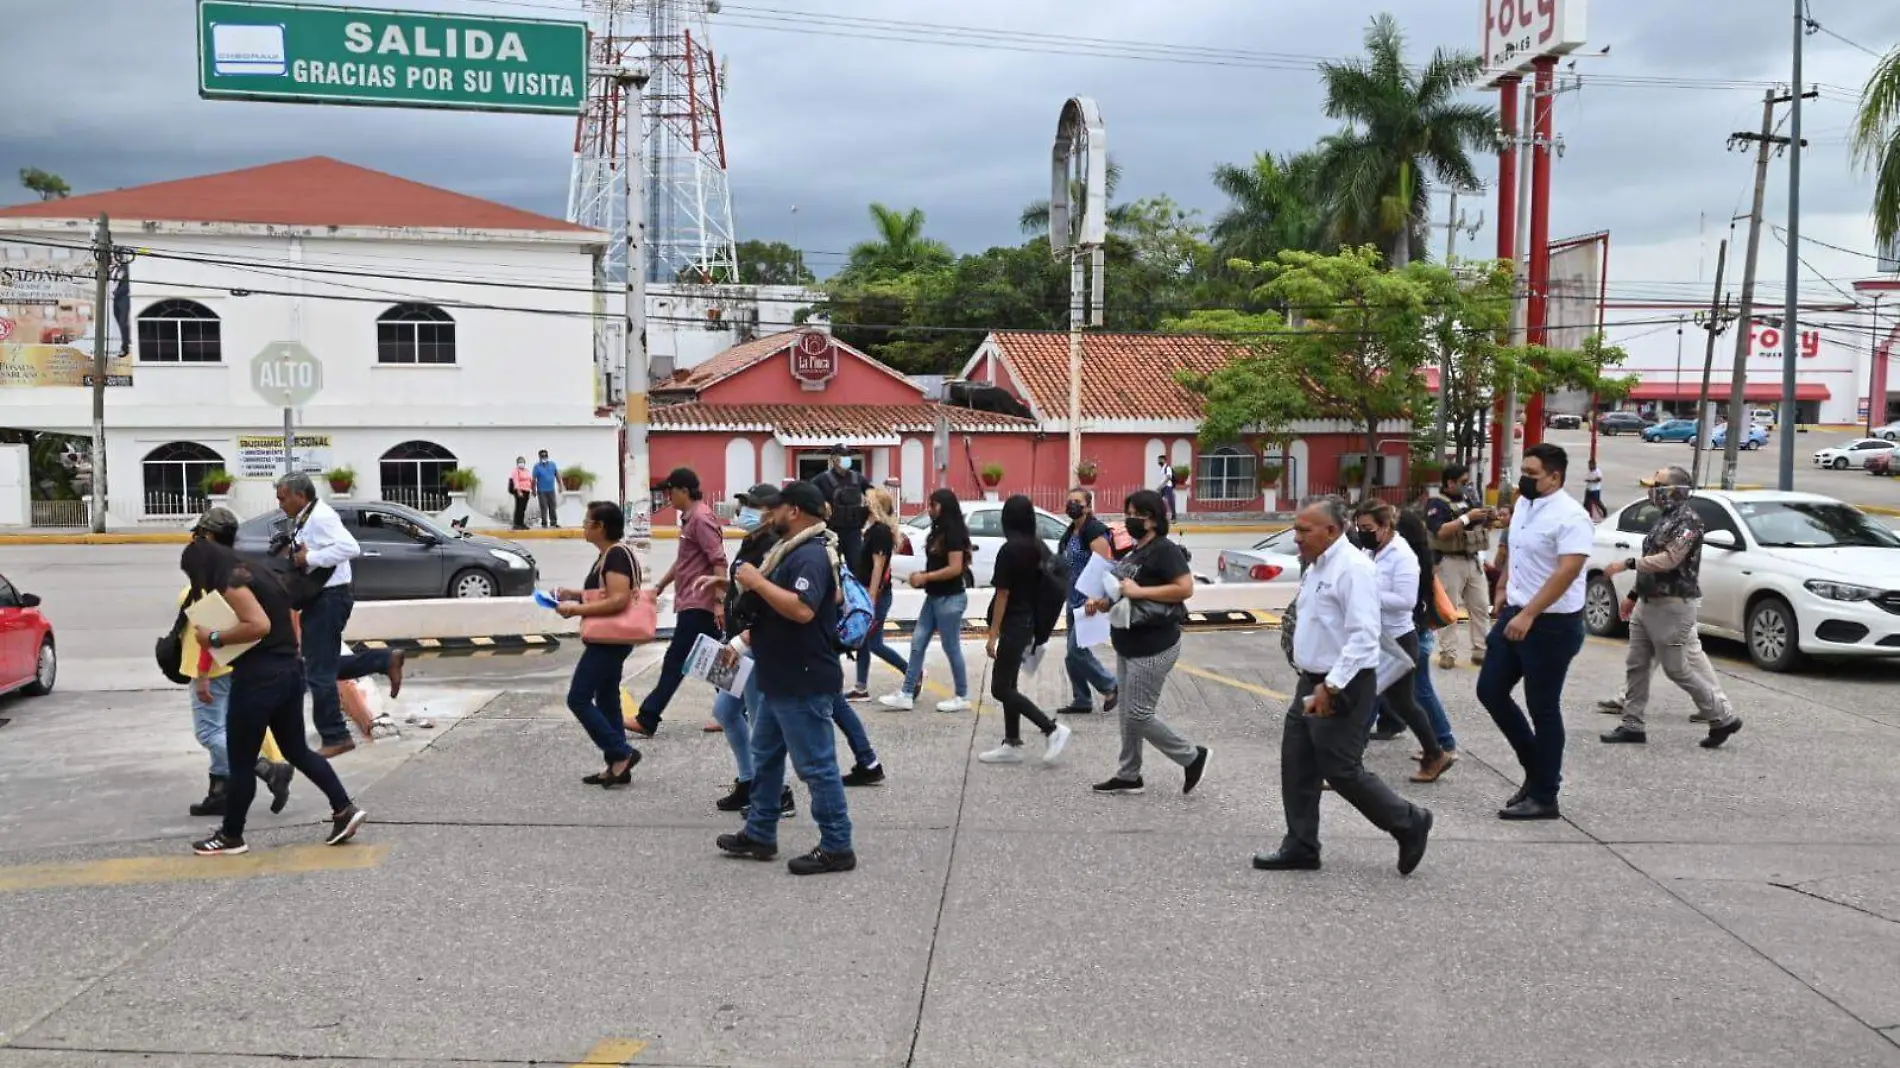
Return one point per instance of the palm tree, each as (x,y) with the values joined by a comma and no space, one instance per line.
(1877,143)
(1401,124)
(1035,216)
(900,245)
(1273,205)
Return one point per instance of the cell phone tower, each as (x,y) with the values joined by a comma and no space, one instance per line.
(688,201)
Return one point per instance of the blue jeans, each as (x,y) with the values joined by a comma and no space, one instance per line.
(854,733)
(594,697)
(207,722)
(1427,693)
(940,616)
(691,623)
(730,712)
(874,644)
(1540,662)
(324,661)
(1085,670)
(800,727)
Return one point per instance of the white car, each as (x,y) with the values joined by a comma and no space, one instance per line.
(1890,432)
(1274,558)
(985,520)
(1789,575)
(1854,454)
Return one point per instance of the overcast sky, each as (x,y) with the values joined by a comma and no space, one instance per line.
(103,92)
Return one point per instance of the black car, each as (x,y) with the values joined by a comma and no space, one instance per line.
(1614,423)
(411,556)
(1563,421)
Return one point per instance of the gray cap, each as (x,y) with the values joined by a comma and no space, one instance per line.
(217,520)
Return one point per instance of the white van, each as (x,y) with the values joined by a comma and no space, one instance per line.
(1763,416)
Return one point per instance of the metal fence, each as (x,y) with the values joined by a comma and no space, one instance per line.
(61,514)
(160,505)
(421,498)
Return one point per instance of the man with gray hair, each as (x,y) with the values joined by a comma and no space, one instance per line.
(322,548)
(1661,609)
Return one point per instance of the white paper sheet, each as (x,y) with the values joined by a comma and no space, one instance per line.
(1090,630)
(1098,580)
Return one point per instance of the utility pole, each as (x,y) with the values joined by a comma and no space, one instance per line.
(1791,325)
(1454,222)
(1715,320)
(1765,143)
(101,316)
(637,492)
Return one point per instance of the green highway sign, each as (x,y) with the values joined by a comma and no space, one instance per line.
(318,54)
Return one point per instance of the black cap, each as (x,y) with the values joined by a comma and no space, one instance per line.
(805,497)
(682,478)
(763,495)
(841,449)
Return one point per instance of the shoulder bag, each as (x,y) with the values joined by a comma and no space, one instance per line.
(636,624)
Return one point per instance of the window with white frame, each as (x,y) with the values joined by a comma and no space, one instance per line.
(180,331)
(174,475)
(413,474)
(1229,473)
(415,334)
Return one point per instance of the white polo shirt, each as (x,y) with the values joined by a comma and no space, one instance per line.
(1542,532)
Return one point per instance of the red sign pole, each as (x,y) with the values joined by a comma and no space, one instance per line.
(1507,237)
(1543,103)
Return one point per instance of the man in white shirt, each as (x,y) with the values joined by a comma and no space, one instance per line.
(319,542)
(1336,652)
(1539,629)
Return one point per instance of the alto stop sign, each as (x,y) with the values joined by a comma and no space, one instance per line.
(286,375)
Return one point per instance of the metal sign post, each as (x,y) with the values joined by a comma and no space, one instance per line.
(1081,158)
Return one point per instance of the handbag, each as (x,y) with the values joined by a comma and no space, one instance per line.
(636,624)
(1440,613)
(1141,615)
(170,651)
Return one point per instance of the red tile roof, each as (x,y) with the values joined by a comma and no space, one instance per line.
(1124,376)
(830,422)
(728,363)
(317,191)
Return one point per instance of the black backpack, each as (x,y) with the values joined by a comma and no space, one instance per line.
(170,649)
(1052,593)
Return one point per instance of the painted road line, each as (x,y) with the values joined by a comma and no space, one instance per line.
(611,1051)
(1224,680)
(135,871)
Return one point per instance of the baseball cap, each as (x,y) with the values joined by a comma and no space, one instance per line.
(805,497)
(763,495)
(841,449)
(217,520)
(682,478)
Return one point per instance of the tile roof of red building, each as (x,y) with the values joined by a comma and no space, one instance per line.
(741,356)
(317,191)
(1125,376)
(831,422)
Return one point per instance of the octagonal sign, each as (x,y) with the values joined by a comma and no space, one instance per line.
(286,375)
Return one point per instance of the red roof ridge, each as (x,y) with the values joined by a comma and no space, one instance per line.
(750,353)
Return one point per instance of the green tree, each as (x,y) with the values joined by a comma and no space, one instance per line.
(900,246)
(1877,143)
(1273,205)
(772,263)
(45,184)
(1401,124)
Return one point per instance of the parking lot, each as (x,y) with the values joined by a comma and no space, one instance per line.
(1627,458)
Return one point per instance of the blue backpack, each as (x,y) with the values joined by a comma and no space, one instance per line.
(856,611)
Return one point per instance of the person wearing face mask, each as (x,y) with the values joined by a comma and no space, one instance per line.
(1400,609)
(1459,532)
(844,488)
(873,568)
(1662,617)
(521,486)
(1539,629)
(1087,536)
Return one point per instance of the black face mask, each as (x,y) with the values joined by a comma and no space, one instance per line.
(1137,527)
(1527,488)
(1075,510)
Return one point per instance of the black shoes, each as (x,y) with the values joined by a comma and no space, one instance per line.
(1412,842)
(1281,860)
(1119,786)
(863,776)
(738,845)
(1386,734)
(611,778)
(1076,710)
(213,804)
(1626,735)
(276,779)
(1195,770)
(220,845)
(1529,809)
(787,805)
(1110,700)
(1721,732)
(738,800)
(343,825)
(819,862)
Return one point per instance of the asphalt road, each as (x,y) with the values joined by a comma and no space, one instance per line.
(1627,458)
(1733,908)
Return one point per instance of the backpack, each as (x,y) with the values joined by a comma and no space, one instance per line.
(1052,594)
(856,611)
(170,649)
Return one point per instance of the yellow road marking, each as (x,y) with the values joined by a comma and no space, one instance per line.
(1212,676)
(130,871)
(612,1051)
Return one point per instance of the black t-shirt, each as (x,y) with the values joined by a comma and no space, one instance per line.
(878,541)
(800,659)
(275,600)
(937,557)
(1019,570)
(618,561)
(1159,564)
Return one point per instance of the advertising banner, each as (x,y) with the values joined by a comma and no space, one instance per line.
(46,331)
(262,455)
(1576,293)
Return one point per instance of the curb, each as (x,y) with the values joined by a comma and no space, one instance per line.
(181,537)
(494,645)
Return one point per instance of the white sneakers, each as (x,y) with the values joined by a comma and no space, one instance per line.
(900,701)
(954,704)
(1057,741)
(1002,754)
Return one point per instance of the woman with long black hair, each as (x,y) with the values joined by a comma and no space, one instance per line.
(945,582)
(1403,587)
(267,690)
(1018,582)
(593,695)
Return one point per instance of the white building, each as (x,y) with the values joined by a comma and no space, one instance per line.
(687,325)
(452,333)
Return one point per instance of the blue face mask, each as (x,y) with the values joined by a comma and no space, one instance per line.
(844,462)
(748,519)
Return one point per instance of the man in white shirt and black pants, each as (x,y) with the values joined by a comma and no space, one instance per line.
(1336,652)
(319,540)
(1539,628)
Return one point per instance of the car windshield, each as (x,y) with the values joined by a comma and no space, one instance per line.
(1813,525)
(1281,542)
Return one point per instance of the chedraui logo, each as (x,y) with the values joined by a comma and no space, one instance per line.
(241,50)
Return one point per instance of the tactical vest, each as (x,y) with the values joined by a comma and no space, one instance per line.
(1461,542)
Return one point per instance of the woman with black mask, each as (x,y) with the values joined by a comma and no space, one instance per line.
(1402,587)
(1087,536)
(1018,581)
(267,690)
(945,581)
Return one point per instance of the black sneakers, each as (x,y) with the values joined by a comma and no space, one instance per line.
(343,825)
(738,800)
(863,776)
(277,780)
(220,845)
(1721,732)
(787,804)
(1119,786)
(738,845)
(819,862)
(1195,770)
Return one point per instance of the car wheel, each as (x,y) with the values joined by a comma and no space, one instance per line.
(471,584)
(1600,614)
(47,673)
(1772,634)
(1840,463)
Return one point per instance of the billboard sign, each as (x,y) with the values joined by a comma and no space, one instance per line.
(1516,32)
(262,455)
(46,332)
(1576,294)
(317,54)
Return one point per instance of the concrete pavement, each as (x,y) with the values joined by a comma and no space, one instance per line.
(1734,907)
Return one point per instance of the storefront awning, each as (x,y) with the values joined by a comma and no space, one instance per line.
(1752,392)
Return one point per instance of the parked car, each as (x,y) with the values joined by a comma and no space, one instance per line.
(1853,454)
(1756,437)
(1272,559)
(1563,421)
(29,657)
(411,556)
(985,520)
(1890,432)
(1790,575)
(1614,423)
(1674,430)
(1881,463)
(1764,416)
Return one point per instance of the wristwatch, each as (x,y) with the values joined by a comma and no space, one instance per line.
(1630,563)
(217,639)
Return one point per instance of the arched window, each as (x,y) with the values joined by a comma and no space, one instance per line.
(412,475)
(174,478)
(1227,474)
(415,333)
(180,331)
